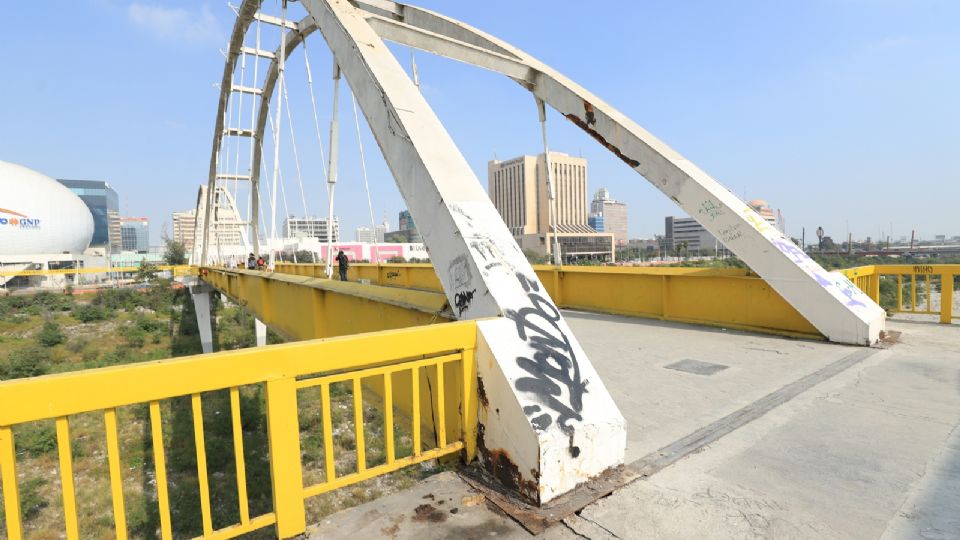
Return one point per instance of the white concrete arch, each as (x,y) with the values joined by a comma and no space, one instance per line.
(556,432)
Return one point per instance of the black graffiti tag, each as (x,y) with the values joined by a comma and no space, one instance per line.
(462,300)
(553,366)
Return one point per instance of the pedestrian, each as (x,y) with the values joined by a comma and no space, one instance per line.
(261,263)
(251,262)
(342,264)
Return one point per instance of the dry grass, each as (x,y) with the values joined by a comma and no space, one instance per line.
(108,342)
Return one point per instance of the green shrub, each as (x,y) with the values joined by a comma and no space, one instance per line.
(50,301)
(28,362)
(31,501)
(135,336)
(90,312)
(35,439)
(50,335)
(148,324)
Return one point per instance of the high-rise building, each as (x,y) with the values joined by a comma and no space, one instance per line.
(613,213)
(689,235)
(518,189)
(135,234)
(408,228)
(595,221)
(767,213)
(185,228)
(104,204)
(312,227)
(368,235)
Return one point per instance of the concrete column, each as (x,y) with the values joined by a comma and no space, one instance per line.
(546,423)
(201,304)
(261,330)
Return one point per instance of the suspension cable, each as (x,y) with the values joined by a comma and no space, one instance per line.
(551,189)
(253,122)
(296,154)
(283,196)
(366,185)
(276,131)
(332,172)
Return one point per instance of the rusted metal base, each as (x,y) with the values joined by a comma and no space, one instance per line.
(537,519)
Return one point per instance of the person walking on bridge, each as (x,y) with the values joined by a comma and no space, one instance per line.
(342,264)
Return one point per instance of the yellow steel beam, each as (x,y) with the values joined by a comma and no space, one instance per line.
(726,297)
(179,270)
(52,396)
(301,307)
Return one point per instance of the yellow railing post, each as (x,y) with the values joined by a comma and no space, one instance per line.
(8,472)
(875,287)
(469,404)
(283,432)
(946,298)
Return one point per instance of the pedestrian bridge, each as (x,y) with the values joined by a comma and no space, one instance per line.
(681,387)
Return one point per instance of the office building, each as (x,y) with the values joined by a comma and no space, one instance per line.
(135,234)
(407,229)
(312,227)
(185,228)
(104,206)
(687,235)
(372,235)
(595,221)
(613,214)
(518,189)
(773,218)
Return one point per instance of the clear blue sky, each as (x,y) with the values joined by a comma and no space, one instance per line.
(835,111)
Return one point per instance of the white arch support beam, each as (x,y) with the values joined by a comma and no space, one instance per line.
(556,425)
(834,305)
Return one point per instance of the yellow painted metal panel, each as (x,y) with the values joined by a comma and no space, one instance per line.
(946,298)
(181,270)
(11,495)
(116,478)
(286,473)
(469,404)
(50,396)
(358,424)
(388,416)
(241,467)
(160,464)
(415,409)
(441,407)
(72,526)
(237,530)
(201,449)
(346,480)
(329,465)
(899,292)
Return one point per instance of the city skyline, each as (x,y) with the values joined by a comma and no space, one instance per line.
(848,87)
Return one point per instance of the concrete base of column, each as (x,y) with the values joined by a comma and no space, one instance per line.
(201,304)
(261,330)
(546,422)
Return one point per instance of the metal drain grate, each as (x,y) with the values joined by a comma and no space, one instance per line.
(697,367)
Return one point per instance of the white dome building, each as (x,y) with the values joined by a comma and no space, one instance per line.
(38,215)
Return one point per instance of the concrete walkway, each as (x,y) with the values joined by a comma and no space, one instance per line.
(809,440)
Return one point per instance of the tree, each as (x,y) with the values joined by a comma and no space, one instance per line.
(146,272)
(304,256)
(175,253)
(50,335)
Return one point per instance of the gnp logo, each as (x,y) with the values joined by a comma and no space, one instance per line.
(16,219)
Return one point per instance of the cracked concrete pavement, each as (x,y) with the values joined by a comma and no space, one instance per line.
(872,451)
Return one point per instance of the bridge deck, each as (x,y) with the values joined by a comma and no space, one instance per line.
(792,439)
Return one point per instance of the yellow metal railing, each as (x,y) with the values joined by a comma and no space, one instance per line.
(726,297)
(917,281)
(177,270)
(397,365)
